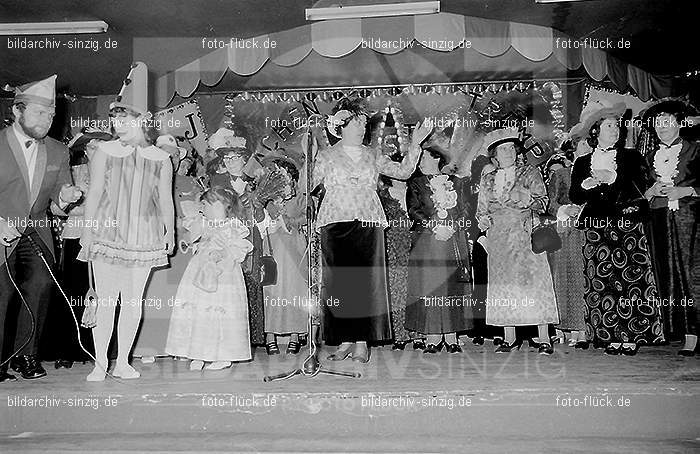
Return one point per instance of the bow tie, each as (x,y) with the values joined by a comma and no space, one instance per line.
(673,144)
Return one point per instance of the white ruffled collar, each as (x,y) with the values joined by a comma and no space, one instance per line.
(119,150)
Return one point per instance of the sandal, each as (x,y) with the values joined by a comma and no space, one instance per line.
(272,348)
(293,347)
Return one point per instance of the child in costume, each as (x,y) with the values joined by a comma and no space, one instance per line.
(209,322)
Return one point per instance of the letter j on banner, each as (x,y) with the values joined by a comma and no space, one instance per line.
(184,120)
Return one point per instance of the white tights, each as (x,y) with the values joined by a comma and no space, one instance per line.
(110,282)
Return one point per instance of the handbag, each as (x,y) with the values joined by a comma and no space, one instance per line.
(207,277)
(463,273)
(268,265)
(544,237)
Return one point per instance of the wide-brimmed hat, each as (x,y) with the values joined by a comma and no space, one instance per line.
(675,106)
(498,137)
(594,111)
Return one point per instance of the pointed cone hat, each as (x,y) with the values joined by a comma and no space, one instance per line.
(134,92)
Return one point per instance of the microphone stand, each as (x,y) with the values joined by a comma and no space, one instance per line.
(311,366)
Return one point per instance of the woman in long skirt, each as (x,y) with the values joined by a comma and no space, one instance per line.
(438,294)
(620,288)
(352,221)
(520,291)
(674,174)
(567,262)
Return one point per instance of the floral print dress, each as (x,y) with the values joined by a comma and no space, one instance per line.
(520,290)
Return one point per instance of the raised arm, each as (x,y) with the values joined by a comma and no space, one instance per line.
(405,168)
(399,170)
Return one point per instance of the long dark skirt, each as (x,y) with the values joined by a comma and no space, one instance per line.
(437,302)
(354,296)
(674,243)
(620,290)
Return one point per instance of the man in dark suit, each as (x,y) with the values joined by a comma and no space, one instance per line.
(34,176)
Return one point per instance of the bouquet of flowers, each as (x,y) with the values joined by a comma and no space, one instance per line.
(444,197)
(272,184)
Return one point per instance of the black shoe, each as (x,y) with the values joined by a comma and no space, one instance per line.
(599,344)
(583,345)
(545,349)
(432,348)
(478,340)
(497,341)
(630,351)
(293,347)
(686,353)
(610,350)
(505,347)
(272,348)
(453,348)
(419,344)
(28,366)
(399,345)
(63,363)
(4,376)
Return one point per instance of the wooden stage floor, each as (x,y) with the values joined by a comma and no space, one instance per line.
(406,401)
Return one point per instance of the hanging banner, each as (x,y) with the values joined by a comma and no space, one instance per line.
(184,120)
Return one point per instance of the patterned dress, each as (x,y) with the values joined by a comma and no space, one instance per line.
(128,229)
(210,315)
(520,290)
(620,288)
(567,262)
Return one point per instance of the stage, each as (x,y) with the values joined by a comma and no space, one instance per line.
(405,401)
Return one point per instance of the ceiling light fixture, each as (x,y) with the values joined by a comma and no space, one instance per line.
(558,1)
(53,28)
(380,10)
